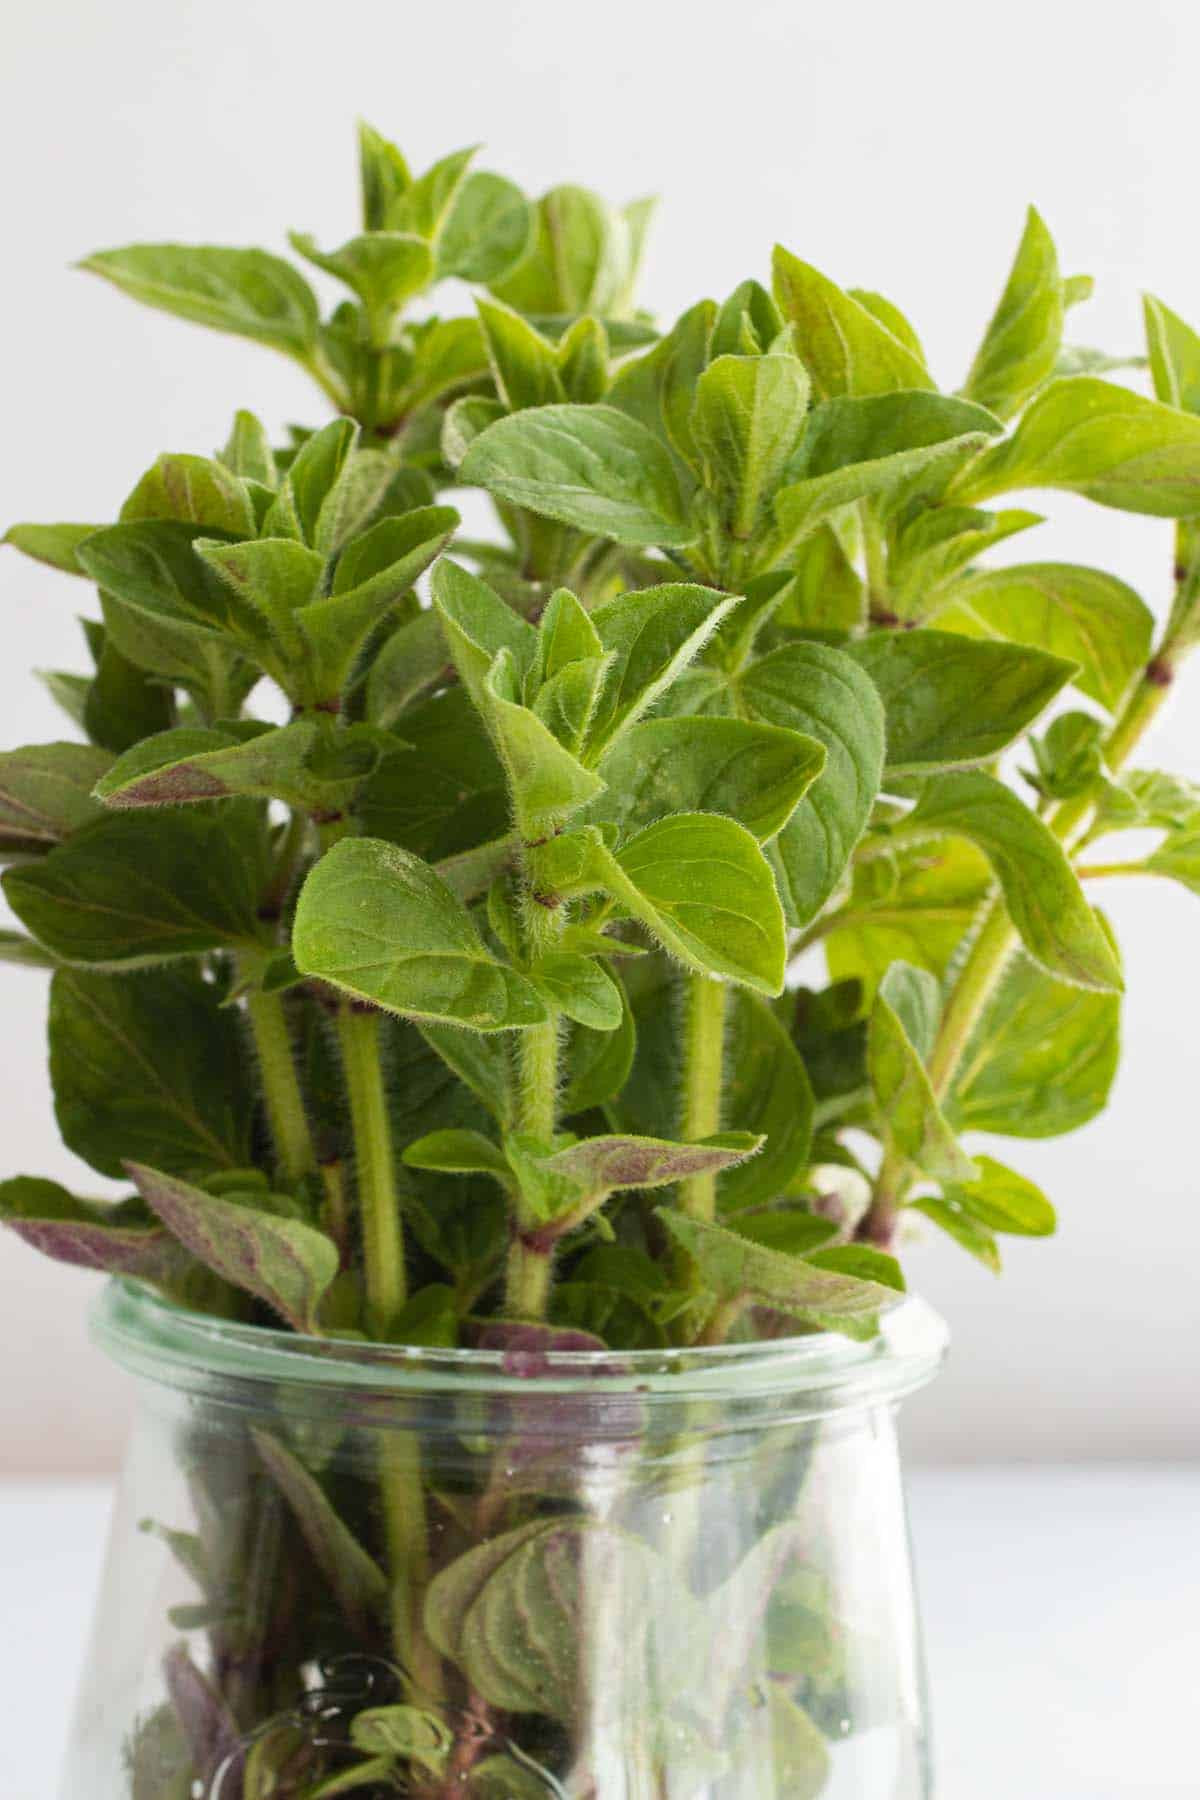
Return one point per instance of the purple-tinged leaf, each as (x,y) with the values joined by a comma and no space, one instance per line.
(357,1581)
(285,1263)
(121,1237)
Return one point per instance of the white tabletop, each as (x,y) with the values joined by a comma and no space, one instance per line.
(1062,1609)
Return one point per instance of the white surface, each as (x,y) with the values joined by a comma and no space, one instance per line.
(1060,1607)
(892,145)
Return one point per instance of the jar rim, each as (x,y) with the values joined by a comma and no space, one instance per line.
(164,1343)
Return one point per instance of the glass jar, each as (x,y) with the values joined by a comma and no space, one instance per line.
(339,1568)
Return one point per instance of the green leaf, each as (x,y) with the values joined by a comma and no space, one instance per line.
(886,448)
(952,701)
(580,988)
(194,491)
(379,924)
(1020,347)
(405,1731)
(822,693)
(151,567)
(248,451)
(767,1093)
(384,268)
(547,783)
(659,388)
(861,1260)
(913,1126)
(597,1063)
(1004,1201)
(757,774)
(746,419)
(478,626)
(701,885)
(566,635)
(283,1262)
(54,545)
(846,349)
(735,1269)
(930,548)
(275,578)
(303,763)
(583,355)
(1105,442)
(123,703)
(46,794)
(1085,615)
(412,660)
(246,292)
(134,889)
(1042,1060)
(588,466)
(1069,757)
(1041,891)
(651,636)
(487,231)
(915,996)
(149,1064)
(355,1579)
(482,1063)
(1174,356)
(445,791)
(458,1152)
(320,478)
(913,907)
(580,258)
(119,1237)
(1178,858)
(966,1231)
(524,363)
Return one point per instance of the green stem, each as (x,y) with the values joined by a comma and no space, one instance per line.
(703,1071)
(527,1282)
(378,1199)
(281,1086)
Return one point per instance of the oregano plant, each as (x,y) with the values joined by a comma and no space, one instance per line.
(473,1004)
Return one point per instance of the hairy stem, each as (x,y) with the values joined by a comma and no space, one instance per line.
(281,1086)
(703,1072)
(527,1288)
(378,1199)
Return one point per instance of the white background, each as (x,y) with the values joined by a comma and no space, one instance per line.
(894,146)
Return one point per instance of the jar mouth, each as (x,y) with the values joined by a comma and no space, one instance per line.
(161,1342)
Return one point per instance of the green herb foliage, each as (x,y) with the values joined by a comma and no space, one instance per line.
(396,1013)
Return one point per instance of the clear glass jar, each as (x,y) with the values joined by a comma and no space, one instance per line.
(505,1574)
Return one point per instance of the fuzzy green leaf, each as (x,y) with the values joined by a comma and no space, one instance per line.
(546,781)
(1004,1201)
(701,885)
(54,545)
(650,636)
(376,921)
(966,1231)
(46,794)
(384,268)
(1041,891)
(757,774)
(952,701)
(487,230)
(913,1125)
(1042,1059)
(1174,356)
(746,419)
(1094,438)
(846,349)
(303,763)
(134,889)
(1085,615)
(478,626)
(580,988)
(149,1065)
(822,693)
(767,1093)
(1020,347)
(733,1268)
(524,363)
(246,292)
(588,466)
